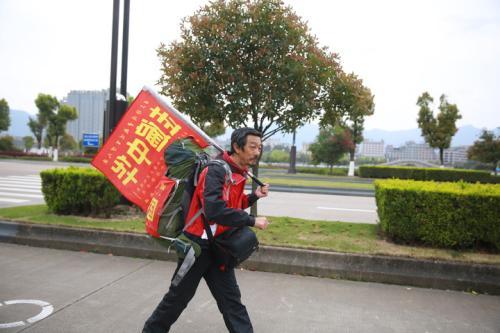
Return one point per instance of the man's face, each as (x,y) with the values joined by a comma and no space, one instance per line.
(251,151)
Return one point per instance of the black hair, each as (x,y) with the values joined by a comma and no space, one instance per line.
(239,137)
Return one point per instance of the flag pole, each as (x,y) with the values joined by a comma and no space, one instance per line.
(195,128)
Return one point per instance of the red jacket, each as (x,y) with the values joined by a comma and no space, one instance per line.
(223,201)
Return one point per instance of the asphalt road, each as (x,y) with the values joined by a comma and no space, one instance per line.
(20,185)
(46,290)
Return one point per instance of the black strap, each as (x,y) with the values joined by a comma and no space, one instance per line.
(208,230)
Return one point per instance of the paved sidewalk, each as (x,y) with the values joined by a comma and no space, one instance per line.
(103,293)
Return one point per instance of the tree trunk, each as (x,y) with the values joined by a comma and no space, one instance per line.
(351,162)
(293,157)
(441,152)
(255,171)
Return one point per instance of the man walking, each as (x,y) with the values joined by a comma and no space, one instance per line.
(223,203)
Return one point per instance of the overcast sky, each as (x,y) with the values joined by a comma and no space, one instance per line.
(399,48)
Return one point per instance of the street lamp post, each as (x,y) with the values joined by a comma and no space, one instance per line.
(116,108)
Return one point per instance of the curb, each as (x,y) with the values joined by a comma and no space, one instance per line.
(369,268)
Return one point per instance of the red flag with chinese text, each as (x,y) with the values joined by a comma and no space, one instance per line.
(132,157)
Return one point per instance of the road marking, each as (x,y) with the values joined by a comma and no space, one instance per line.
(4,185)
(349,209)
(24,179)
(12,200)
(24,190)
(47,309)
(21,179)
(11,194)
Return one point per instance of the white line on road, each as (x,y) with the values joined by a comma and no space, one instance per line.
(24,179)
(27,181)
(12,200)
(349,209)
(23,185)
(17,189)
(10,194)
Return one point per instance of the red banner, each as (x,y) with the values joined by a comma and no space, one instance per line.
(132,157)
(160,195)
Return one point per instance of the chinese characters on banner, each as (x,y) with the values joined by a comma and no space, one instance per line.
(132,157)
(160,195)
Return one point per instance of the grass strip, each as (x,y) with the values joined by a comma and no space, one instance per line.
(317,183)
(283,231)
(40,214)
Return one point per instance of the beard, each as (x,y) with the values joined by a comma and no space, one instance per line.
(253,161)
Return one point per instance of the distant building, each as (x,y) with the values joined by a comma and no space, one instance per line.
(369,148)
(411,151)
(90,105)
(454,155)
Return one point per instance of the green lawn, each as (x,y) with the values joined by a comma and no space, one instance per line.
(40,214)
(316,183)
(283,231)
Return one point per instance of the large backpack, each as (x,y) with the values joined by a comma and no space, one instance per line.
(185,160)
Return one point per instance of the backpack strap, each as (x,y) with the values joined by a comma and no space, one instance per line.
(193,218)
(229,174)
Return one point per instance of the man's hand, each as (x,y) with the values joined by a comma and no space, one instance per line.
(262,191)
(261,222)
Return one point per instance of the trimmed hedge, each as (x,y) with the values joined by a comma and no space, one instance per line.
(24,156)
(323,171)
(78,191)
(75,159)
(451,215)
(425,174)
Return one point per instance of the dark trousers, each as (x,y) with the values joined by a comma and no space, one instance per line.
(223,287)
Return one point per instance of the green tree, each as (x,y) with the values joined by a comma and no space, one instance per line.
(437,131)
(331,145)
(57,123)
(278,156)
(36,127)
(53,114)
(28,142)
(486,149)
(247,63)
(7,143)
(67,142)
(46,105)
(349,102)
(214,129)
(4,115)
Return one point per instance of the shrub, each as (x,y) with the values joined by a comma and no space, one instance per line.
(78,191)
(453,215)
(323,171)
(426,174)
(7,143)
(75,159)
(24,156)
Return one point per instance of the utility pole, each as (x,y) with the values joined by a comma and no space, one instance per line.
(115,109)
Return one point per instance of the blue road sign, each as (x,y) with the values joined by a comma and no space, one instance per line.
(90,140)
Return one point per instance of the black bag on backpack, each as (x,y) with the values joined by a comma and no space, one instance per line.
(233,246)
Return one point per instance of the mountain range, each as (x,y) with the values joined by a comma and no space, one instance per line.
(466,135)
(19,123)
